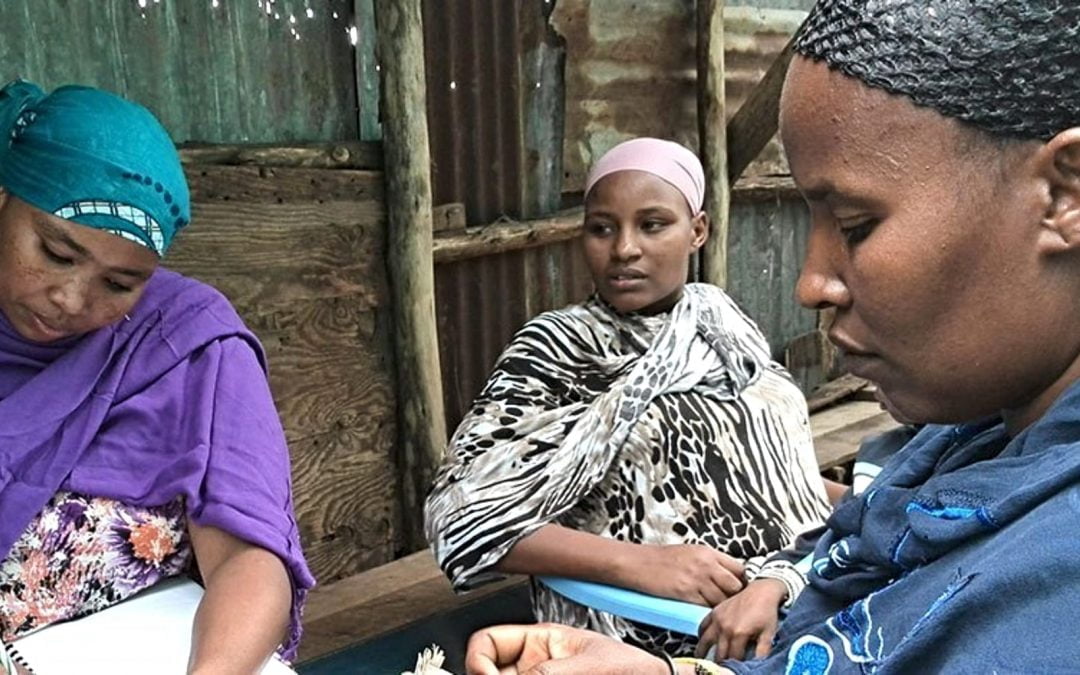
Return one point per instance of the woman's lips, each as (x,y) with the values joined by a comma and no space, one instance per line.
(626,280)
(46,329)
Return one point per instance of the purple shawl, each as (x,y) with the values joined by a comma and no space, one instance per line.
(171,401)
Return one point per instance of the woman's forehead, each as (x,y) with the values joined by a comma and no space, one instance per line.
(633,189)
(830,120)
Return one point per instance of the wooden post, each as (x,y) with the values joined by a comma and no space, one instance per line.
(712,135)
(407,162)
(754,124)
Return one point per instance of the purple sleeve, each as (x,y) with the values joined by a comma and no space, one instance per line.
(206,429)
(247,487)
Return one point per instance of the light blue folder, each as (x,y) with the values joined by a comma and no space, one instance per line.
(673,615)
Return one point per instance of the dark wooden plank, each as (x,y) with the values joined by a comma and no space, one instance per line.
(282,185)
(755,122)
(381,600)
(845,386)
(839,431)
(338,155)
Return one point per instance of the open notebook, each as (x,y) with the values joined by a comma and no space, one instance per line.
(149,633)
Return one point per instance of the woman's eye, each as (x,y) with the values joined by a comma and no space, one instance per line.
(858,231)
(55,257)
(116,287)
(653,225)
(598,229)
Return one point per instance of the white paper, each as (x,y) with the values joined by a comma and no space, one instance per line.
(149,633)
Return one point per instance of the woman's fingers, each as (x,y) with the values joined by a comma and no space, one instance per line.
(733,565)
(706,637)
(492,647)
(736,648)
(764,642)
(726,582)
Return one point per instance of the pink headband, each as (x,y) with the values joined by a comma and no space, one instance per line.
(666,160)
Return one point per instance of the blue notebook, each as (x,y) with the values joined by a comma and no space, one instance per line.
(673,615)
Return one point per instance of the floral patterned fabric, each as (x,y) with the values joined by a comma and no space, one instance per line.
(83,554)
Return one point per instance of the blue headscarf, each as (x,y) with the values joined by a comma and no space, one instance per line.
(95,159)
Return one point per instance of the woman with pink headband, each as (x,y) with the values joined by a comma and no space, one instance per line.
(643,439)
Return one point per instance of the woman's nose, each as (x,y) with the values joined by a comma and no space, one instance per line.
(626,246)
(70,295)
(821,284)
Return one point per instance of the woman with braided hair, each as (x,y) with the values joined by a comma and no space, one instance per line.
(937,144)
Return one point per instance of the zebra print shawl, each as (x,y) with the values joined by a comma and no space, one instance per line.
(671,429)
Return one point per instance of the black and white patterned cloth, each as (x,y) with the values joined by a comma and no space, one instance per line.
(668,429)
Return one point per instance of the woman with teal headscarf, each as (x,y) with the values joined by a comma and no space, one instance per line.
(138,436)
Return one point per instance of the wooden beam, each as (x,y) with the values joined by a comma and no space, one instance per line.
(340,155)
(846,386)
(755,123)
(508,235)
(407,159)
(381,600)
(839,431)
(512,235)
(713,149)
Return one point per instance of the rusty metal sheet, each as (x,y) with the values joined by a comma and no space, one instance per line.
(631,71)
(495,110)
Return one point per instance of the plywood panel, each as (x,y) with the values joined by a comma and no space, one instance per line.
(300,254)
(272,237)
(346,499)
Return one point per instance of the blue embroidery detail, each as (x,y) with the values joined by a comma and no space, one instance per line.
(955,587)
(855,627)
(809,655)
(896,550)
(838,557)
(953,513)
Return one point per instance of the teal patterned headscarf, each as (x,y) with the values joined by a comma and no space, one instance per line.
(95,159)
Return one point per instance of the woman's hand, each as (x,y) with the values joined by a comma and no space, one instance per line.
(749,617)
(688,572)
(551,649)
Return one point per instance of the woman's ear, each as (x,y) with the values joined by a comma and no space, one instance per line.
(1062,217)
(699,228)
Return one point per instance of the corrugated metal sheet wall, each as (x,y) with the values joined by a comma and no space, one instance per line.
(495,100)
(229,71)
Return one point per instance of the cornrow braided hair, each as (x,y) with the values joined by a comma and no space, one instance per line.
(1009,67)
